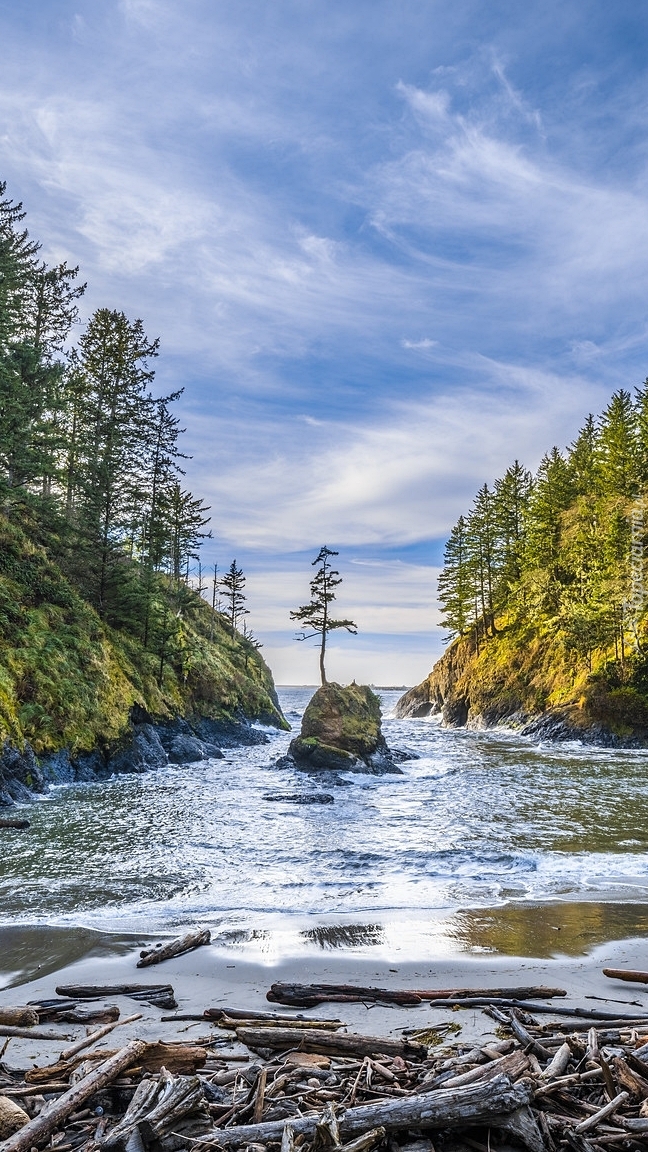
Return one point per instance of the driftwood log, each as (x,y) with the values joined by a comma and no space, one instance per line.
(185,943)
(180,1058)
(93,1037)
(161,995)
(309,995)
(626,974)
(159,1107)
(20,825)
(269,1017)
(22,1017)
(41,1127)
(33,1033)
(497,1103)
(329,1043)
(12,1117)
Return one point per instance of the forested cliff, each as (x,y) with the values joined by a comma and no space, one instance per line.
(97,533)
(543,591)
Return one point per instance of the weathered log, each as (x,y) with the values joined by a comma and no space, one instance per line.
(42,1126)
(33,1033)
(160,995)
(36,1089)
(477,1104)
(22,1017)
(12,1117)
(635,1084)
(252,1022)
(158,1106)
(329,1043)
(183,944)
(270,1017)
(88,1041)
(179,1058)
(19,825)
(308,995)
(604,1112)
(558,1064)
(633,977)
(99,991)
(79,1016)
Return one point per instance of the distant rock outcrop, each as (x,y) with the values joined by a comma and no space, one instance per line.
(341,731)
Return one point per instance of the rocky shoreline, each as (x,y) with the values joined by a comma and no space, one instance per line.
(148,745)
(567,722)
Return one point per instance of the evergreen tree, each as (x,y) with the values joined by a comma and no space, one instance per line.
(584,459)
(233,583)
(619,446)
(512,494)
(314,616)
(456,588)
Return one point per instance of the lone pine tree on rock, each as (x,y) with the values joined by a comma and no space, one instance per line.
(315,616)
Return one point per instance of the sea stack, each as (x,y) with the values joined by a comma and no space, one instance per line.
(341,731)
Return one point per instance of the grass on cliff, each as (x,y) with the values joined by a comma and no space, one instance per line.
(68,680)
(533,669)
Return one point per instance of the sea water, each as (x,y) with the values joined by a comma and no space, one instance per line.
(487,841)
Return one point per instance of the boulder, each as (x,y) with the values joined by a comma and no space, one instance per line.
(188,749)
(143,753)
(341,732)
(20,775)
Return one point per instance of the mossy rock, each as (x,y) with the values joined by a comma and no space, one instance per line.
(346,719)
(341,732)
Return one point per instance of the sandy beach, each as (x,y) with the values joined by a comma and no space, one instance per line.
(212,976)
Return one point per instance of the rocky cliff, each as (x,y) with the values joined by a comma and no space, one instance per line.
(533,682)
(79,700)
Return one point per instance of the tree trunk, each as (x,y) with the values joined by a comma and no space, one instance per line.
(477,1104)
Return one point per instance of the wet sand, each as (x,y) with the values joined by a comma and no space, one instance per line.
(213,976)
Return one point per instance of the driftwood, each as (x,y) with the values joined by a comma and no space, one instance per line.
(20,825)
(33,1033)
(161,995)
(180,1058)
(328,1043)
(159,1107)
(12,1117)
(626,974)
(23,1017)
(185,943)
(270,1017)
(309,995)
(88,1041)
(41,1127)
(476,1104)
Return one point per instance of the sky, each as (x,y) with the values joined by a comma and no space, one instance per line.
(388,249)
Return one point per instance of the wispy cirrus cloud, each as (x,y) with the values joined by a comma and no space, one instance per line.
(386,251)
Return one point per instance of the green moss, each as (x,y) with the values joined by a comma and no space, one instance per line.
(68,680)
(343,719)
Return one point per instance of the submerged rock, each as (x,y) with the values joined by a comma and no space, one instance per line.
(301,797)
(341,732)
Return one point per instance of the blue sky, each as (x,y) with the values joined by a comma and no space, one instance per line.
(387,247)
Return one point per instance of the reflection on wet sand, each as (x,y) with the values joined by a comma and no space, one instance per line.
(28,951)
(344,935)
(544,930)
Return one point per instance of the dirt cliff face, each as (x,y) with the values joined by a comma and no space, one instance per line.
(533,683)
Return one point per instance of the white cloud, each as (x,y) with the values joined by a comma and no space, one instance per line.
(421,345)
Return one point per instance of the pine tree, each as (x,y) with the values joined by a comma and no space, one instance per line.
(619,447)
(314,616)
(456,587)
(233,583)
